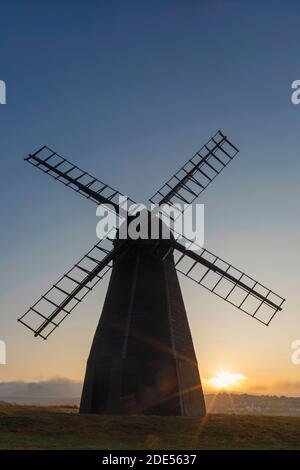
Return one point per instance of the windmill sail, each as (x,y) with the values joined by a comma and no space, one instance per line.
(45,315)
(197,173)
(61,169)
(142,359)
(228,282)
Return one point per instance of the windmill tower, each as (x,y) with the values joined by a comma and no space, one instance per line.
(142,359)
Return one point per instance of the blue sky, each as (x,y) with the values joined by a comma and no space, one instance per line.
(129,90)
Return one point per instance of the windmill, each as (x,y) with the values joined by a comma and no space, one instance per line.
(142,359)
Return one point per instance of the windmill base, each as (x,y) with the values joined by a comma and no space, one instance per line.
(168,387)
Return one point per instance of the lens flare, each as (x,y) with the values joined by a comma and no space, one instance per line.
(226,380)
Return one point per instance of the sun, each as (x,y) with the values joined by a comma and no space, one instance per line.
(225,380)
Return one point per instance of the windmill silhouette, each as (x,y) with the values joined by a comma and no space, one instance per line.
(142,358)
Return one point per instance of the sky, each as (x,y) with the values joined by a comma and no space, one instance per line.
(129,91)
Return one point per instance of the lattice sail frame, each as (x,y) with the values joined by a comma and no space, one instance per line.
(47,313)
(197,173)
(203,267)
(229,283)
(61,169)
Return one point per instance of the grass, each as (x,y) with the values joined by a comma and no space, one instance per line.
(29,427)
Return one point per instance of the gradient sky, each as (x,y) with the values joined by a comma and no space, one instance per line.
(129,90)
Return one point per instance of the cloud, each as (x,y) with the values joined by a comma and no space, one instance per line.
(239,383)
(63,390)
(53,388)
(288,388)
(258,389)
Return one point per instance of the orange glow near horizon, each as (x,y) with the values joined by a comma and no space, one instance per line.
(225,380)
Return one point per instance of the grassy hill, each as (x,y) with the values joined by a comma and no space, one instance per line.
(25,427)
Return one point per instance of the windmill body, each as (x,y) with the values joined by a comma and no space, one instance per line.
(142,359)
